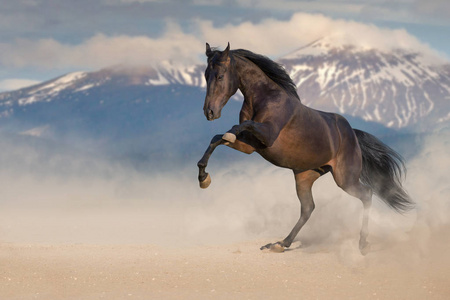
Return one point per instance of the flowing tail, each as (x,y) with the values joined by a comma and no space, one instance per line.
(382,170)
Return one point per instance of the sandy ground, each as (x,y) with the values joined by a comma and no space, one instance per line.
(134,237)
(393,270)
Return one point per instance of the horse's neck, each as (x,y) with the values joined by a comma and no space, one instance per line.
(256,87)
(253,82)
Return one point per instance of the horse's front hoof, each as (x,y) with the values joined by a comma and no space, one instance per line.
(229,137)
(276,247)
(205,182)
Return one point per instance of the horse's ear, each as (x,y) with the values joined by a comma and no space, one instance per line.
(226,51)
(208,50)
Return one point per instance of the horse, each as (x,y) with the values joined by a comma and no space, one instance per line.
(275,123)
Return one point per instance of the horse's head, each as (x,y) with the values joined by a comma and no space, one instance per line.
(221,81)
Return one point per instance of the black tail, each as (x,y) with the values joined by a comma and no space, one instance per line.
(382,170)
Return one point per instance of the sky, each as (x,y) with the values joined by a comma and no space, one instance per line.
(43,39)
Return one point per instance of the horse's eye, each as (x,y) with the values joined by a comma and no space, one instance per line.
(220,77)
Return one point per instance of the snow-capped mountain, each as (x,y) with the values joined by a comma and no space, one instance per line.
(82,83)
(399,88)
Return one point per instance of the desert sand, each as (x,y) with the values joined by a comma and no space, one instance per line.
(393,270)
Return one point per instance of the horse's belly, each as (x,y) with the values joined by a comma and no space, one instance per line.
(296,155)
(294,162)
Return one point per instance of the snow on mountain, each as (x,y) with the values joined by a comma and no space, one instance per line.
(399,88)
(51,89)
(82,82)
(166,73)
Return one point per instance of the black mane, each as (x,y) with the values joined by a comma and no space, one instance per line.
(273,70)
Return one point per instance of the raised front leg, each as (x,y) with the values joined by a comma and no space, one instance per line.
(264,133)
(203,177)
(237,144)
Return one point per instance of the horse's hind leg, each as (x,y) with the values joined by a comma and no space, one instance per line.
(304,182)
(351,184)
(363,193)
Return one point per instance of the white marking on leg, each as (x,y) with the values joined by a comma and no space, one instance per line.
(229,137)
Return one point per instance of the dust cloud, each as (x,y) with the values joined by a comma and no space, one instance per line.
(89,200)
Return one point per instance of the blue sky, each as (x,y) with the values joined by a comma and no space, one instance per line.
(42,39)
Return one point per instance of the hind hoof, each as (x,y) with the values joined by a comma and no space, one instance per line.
(229,137)
(275,247)
(364,249)
(206,182)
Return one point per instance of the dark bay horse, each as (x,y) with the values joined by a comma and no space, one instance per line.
(274,123)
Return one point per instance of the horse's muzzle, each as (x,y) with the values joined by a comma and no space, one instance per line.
(210,115)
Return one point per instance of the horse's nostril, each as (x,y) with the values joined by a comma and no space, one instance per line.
(209,114)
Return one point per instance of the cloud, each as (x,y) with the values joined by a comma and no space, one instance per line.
(431,12)
(433,9)
(16,83)
(270,37)
(101,50)
(274,37)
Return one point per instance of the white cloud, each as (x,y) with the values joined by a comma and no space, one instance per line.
(270,37)
(101,50)
(274,37)
(15,84)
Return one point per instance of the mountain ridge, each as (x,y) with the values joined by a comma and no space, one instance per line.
(399,89)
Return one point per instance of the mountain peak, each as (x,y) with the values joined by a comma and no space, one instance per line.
(317,47)
(398,88)
(330,45)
